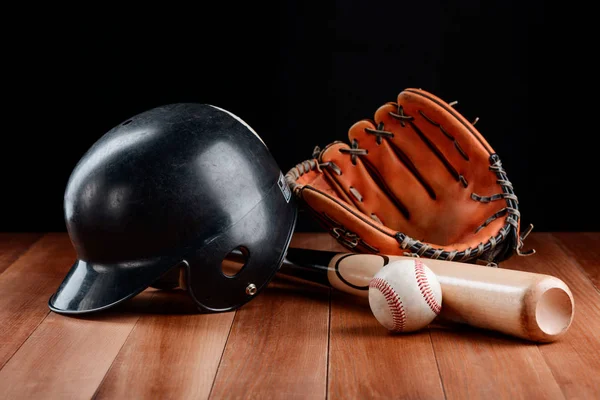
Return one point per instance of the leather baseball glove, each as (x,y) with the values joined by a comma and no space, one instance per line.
(417,180)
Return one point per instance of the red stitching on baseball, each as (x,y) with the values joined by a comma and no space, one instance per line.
(393,300)
(425,288)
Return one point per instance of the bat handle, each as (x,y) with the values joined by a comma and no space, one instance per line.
(309,265)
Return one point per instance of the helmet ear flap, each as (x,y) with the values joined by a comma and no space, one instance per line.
(235,266)
(177,277)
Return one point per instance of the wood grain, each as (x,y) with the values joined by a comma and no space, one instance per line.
(173,352)
(486,365)
(297,340)
(12,245)
(368,362)
(573,359)
(277,348)
(67,357)
(585,248)
(27,285)
(365,360)
(478,364)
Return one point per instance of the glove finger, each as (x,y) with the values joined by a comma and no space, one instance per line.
(416,154)
(350,175)
(398,178)
(444,175)
(462,149)
(433,213)
(453,139)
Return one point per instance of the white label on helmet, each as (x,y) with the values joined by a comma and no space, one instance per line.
(241,121)
(285,189)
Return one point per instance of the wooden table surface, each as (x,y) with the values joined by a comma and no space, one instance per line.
(293,341)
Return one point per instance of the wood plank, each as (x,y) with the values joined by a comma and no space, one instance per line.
(585,248)
(173,352)
(26,287)
(277,348)
(478,365)
(573,358)
(367,361)
(12,245)
(67,357)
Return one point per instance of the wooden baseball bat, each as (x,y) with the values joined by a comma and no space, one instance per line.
(527,305)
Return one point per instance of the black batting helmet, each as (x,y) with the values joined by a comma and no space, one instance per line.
(177,186)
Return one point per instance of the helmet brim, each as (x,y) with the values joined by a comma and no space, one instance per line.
(90,287)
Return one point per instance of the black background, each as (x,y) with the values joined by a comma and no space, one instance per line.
(300,75)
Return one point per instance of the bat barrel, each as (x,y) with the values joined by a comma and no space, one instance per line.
(531,306)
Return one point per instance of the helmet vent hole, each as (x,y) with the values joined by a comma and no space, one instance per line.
(126,122)
(234,261)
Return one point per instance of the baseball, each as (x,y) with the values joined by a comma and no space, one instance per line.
(405,296)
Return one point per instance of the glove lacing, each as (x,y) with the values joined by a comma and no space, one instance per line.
(513,213)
